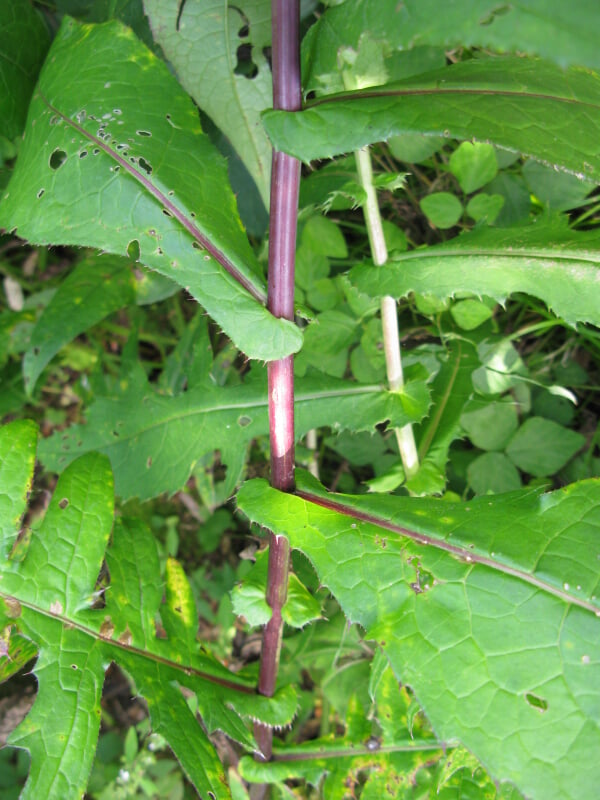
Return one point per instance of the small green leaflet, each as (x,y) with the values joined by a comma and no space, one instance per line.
(525,105)
(114,158)
(47,594)
(489,610)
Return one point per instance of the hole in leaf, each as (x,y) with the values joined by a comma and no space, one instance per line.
(36,352)
(57,159)
(245,66)
(244,420)
(115,433)
(95,151)
(166,212)
(133,250)
(40,193)
(63,503)
(196,245)
(83,154)
(143,164)
(536,702)
(73,666)
(144,133)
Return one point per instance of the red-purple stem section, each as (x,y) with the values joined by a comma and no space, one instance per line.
(285,182)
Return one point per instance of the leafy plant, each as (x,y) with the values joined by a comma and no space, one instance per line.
(428,639)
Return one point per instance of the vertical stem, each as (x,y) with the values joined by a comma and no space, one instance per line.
(285,182)
(389,316)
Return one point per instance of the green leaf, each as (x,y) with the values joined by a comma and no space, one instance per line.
(17,458)
(559,191)
(524,105)
(154,441)
(488,610)
(451,389)
(470,314)
(249,601)
(24,40)
(489,426)
(493,473)
(485,206)
(442,209)
(201,40)
(414,148)
(548,28)
(548,261)
(541,447)
(473,165)
(50,597)
(96,287)
(114,158)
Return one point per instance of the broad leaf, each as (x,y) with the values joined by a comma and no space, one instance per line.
(201,39)
(523,105)
(24,40)
(49,593)
(547,28)
(154,441)
(549,261)
(488,610)
(96,287)
(114,158)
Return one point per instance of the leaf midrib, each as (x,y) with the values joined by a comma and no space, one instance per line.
(446,90)
(260,404)
(462,553)
(187,670)
(514,253)
(162,198)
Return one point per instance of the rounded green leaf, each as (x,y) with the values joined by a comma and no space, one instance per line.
(442,209)
(541,447)
(473,164)
(490,426)
(493,473)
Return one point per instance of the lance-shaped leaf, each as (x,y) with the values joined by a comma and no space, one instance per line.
(488,609)
(549,261)
(154,441)
(201,38)
(48,594)
(96,287)
(547,28)
(114,157)
(525,105)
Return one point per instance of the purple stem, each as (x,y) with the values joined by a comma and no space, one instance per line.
(285,182)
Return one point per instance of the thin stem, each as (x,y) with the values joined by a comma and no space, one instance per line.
(389,316)
(285,182)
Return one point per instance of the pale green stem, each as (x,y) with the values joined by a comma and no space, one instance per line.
(311,443)
(389,315)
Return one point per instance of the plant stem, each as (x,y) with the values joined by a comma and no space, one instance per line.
(389,316)
(285,181)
